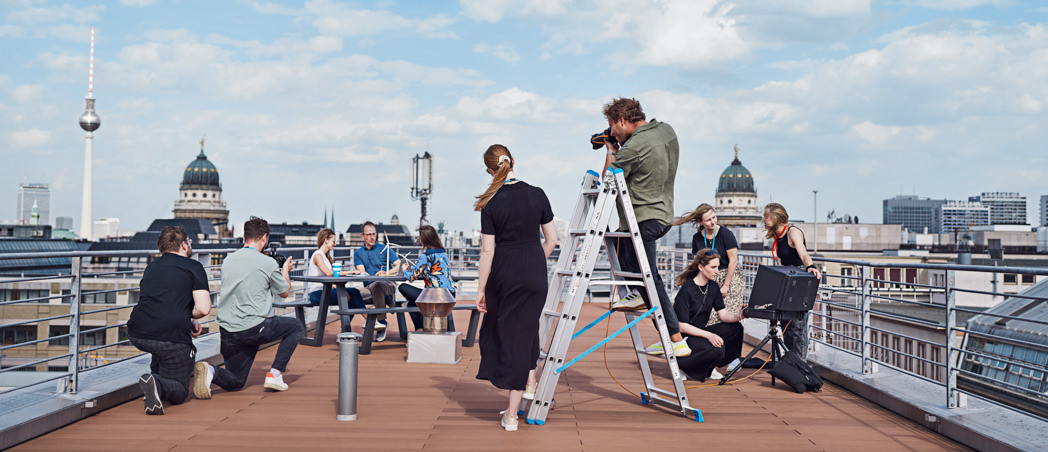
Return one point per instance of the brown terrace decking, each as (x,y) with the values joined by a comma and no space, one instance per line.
(442,407)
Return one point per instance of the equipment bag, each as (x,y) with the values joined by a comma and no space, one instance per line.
(797,373)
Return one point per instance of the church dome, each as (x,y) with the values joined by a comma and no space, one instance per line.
(201,172)
(736,178)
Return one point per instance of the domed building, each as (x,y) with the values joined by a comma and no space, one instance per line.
(736,196)
(200,194)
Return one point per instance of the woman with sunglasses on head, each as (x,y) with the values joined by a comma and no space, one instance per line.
(788,248)
(723,242)
(699,296)
(512,281)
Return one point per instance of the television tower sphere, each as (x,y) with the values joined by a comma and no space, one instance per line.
(89,121)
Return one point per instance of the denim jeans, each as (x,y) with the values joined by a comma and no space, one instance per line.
(795,336)
(172,367)
(239,349)
(650,232)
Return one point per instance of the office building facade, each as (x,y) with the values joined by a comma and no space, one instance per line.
(1044,211)
(30,194)
(914,213)
(959,216)
(1005,207)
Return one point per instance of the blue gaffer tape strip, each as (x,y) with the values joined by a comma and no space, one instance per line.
(605,341)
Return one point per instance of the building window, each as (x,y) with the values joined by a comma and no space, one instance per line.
(93,338)
(878,274)
(847,273)
(55,331)
(1010,278)
(17,334)
(99,298)
(1028,279)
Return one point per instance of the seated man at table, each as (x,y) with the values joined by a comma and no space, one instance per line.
(377,259)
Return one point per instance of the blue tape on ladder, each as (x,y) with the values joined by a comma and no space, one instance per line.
(591,325)
(530,421)
(617,171)
(601,343)
(589,171)
(644,398)
(520,412)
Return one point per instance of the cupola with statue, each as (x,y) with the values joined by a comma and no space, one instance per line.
(736,197)
(200,193)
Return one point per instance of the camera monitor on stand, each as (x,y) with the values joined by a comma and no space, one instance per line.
(782,293)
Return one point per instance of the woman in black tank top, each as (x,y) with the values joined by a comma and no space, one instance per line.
(788,249)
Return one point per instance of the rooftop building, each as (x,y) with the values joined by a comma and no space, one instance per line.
(1005,207)
(200,194)
(736,196)
(914,213)
(30,195)
(959,216)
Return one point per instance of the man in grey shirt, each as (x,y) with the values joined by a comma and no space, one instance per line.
(250,279)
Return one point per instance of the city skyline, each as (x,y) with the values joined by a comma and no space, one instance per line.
(321,105)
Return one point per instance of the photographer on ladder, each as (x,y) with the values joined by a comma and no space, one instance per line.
(647,157)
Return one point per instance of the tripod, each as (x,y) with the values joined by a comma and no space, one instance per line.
(778,347)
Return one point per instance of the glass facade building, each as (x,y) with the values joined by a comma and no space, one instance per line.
(912,212)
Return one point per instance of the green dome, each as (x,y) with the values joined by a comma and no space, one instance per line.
(736,178)
(201,172)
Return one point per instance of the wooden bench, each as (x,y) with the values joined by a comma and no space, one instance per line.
(372,317)
(318,332)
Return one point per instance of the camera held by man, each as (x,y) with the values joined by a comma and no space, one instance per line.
(599,139)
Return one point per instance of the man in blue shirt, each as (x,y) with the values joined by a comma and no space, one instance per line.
(377,259)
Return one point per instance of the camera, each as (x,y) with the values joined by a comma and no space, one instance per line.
(280,258)
(598,139)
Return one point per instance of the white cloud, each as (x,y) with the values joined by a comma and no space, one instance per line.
(28,93)
(137,3)
(339,19)
(503,51)
(512,104)
(49,15)
(31,137)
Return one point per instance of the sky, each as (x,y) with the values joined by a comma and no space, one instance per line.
(320,105)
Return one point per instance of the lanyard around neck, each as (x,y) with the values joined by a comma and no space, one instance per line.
(711,241)
(775,244)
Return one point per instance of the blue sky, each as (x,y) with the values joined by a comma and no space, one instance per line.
(321,104)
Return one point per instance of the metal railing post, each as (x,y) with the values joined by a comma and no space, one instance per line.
(953,396)
(867,346)
(76,289)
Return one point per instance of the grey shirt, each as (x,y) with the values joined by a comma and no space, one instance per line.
(250,279)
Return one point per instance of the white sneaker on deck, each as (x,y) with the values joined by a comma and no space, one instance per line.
(275,383)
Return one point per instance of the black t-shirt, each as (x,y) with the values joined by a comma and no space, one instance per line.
(165,304)
(693,306)
(787,254)
(722,242)
(515,213)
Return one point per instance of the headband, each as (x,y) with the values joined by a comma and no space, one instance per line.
(502,158)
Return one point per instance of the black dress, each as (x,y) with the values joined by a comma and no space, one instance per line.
(694,306)
(516,286)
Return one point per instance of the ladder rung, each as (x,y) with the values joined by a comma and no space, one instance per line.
(609,282)
(551,313)
(591,192)
(629,274)
(566,272)
(616,234)
(578,232)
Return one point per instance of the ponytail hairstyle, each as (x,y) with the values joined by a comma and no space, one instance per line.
(702,258)
(322,237)
(777,213)
(499,162)
(695,216)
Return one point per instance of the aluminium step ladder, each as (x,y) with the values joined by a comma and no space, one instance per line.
(587,235)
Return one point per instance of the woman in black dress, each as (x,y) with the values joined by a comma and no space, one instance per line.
(787,248)
(512,283)
(699,295)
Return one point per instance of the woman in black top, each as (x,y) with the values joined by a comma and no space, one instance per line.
(512,283)
(788,248)
(699,296)
(721,240)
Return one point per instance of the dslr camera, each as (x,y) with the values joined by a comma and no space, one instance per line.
(598,139)
(280,258)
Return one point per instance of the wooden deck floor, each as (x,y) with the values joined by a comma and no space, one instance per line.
(405,406)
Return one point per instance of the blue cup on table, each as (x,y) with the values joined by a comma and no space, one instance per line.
(337,269)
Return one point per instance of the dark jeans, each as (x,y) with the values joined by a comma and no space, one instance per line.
(172,367)
(650,232)
(795,336)
(239,349)
(705,357)
(355,301)
(382,296)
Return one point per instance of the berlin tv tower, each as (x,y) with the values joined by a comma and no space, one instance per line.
(90,122)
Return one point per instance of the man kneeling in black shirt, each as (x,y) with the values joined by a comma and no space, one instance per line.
(174,293)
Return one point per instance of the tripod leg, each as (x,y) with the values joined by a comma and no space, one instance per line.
(757,348)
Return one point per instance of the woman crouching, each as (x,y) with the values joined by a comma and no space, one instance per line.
(699,295)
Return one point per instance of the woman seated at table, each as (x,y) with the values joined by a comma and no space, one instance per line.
(432,268)
(714,345)
(320,265)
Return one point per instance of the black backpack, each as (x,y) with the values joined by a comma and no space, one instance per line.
(798,374)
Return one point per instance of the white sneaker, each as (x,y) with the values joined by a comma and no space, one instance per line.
(680,349)
(734,363)
(380,332)
(530,390)
(202,376)
(632,301)
(275,383)
(509,421)
(716,375)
